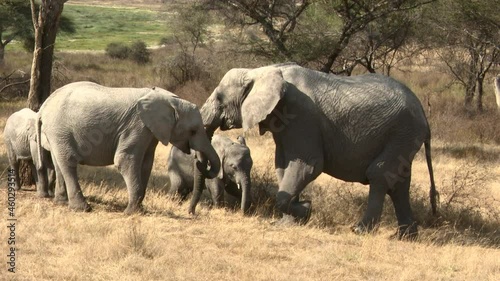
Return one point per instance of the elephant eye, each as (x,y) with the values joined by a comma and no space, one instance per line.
(218,97)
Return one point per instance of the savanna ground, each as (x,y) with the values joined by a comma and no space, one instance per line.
(165,243)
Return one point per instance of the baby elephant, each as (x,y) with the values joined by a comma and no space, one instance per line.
(21,143)
(233,178)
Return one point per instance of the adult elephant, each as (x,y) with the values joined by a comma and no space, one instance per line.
(20,141)
(363,129)
(233,178)
(89,124)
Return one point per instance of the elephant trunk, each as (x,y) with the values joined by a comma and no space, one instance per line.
(204,156)
(198,185)
(246,199)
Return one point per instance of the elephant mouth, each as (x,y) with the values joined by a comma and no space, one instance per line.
(227,124)
(183,146)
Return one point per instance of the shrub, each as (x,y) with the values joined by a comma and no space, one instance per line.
(118,50)
(139,52)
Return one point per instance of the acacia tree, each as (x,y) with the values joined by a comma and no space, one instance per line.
(16,24)
(15,17)
(309,31)
(46,23)
(467,39)
(191,23)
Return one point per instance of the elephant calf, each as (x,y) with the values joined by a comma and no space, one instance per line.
(21,143)
(233,178)
(89,124)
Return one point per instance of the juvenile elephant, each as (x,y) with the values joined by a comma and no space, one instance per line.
(233,177)
(363,129)
(89,124)
(21,144)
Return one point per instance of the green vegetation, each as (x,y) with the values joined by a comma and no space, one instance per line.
(97,26)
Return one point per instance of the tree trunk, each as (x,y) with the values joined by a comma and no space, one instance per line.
(497,91)
(469,95)
(2,53)
(479,99)
(46,25)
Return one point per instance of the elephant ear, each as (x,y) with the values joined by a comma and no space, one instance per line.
(158,114)
(267,88)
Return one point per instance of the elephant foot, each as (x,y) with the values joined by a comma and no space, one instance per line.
(130,210)
(362,228)
(301,211)
(405,232)
(80,206)
(298,218)
(286,220)
(60,200)
(44,195)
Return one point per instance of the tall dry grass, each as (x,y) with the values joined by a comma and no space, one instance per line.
(166,243)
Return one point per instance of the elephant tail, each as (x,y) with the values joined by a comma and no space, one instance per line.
(38,131)
(433,194)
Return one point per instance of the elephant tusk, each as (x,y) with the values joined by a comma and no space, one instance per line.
(239,186)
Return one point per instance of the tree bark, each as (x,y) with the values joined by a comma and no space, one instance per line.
(2,53)
(497,91)
(479,99)
(45,25)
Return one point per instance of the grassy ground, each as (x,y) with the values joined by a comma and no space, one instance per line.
(54,243)
(98,25)
(166,243)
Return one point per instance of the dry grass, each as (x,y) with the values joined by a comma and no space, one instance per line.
(166,243)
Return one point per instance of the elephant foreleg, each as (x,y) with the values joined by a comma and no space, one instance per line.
(296,177)
(216,189)
(131,171)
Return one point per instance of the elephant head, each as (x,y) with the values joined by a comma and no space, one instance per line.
(176,121)
(236,164)
(243,98)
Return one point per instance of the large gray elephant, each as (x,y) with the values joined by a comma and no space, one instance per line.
(21,144)
(363,129)
(233,178)
(89,124)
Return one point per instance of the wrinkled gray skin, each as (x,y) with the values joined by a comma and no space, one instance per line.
(21,143)
(233,178)
(89,124)
(363,129)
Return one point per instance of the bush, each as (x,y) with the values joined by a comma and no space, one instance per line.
(118,50)
(139,53)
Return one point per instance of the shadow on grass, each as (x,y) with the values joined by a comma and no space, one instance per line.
(340,205)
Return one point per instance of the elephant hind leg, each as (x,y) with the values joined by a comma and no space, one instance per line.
(373,212)
(17,180)
(390,173)
(400,196)
(76,200)
(14,165)
(60,192)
